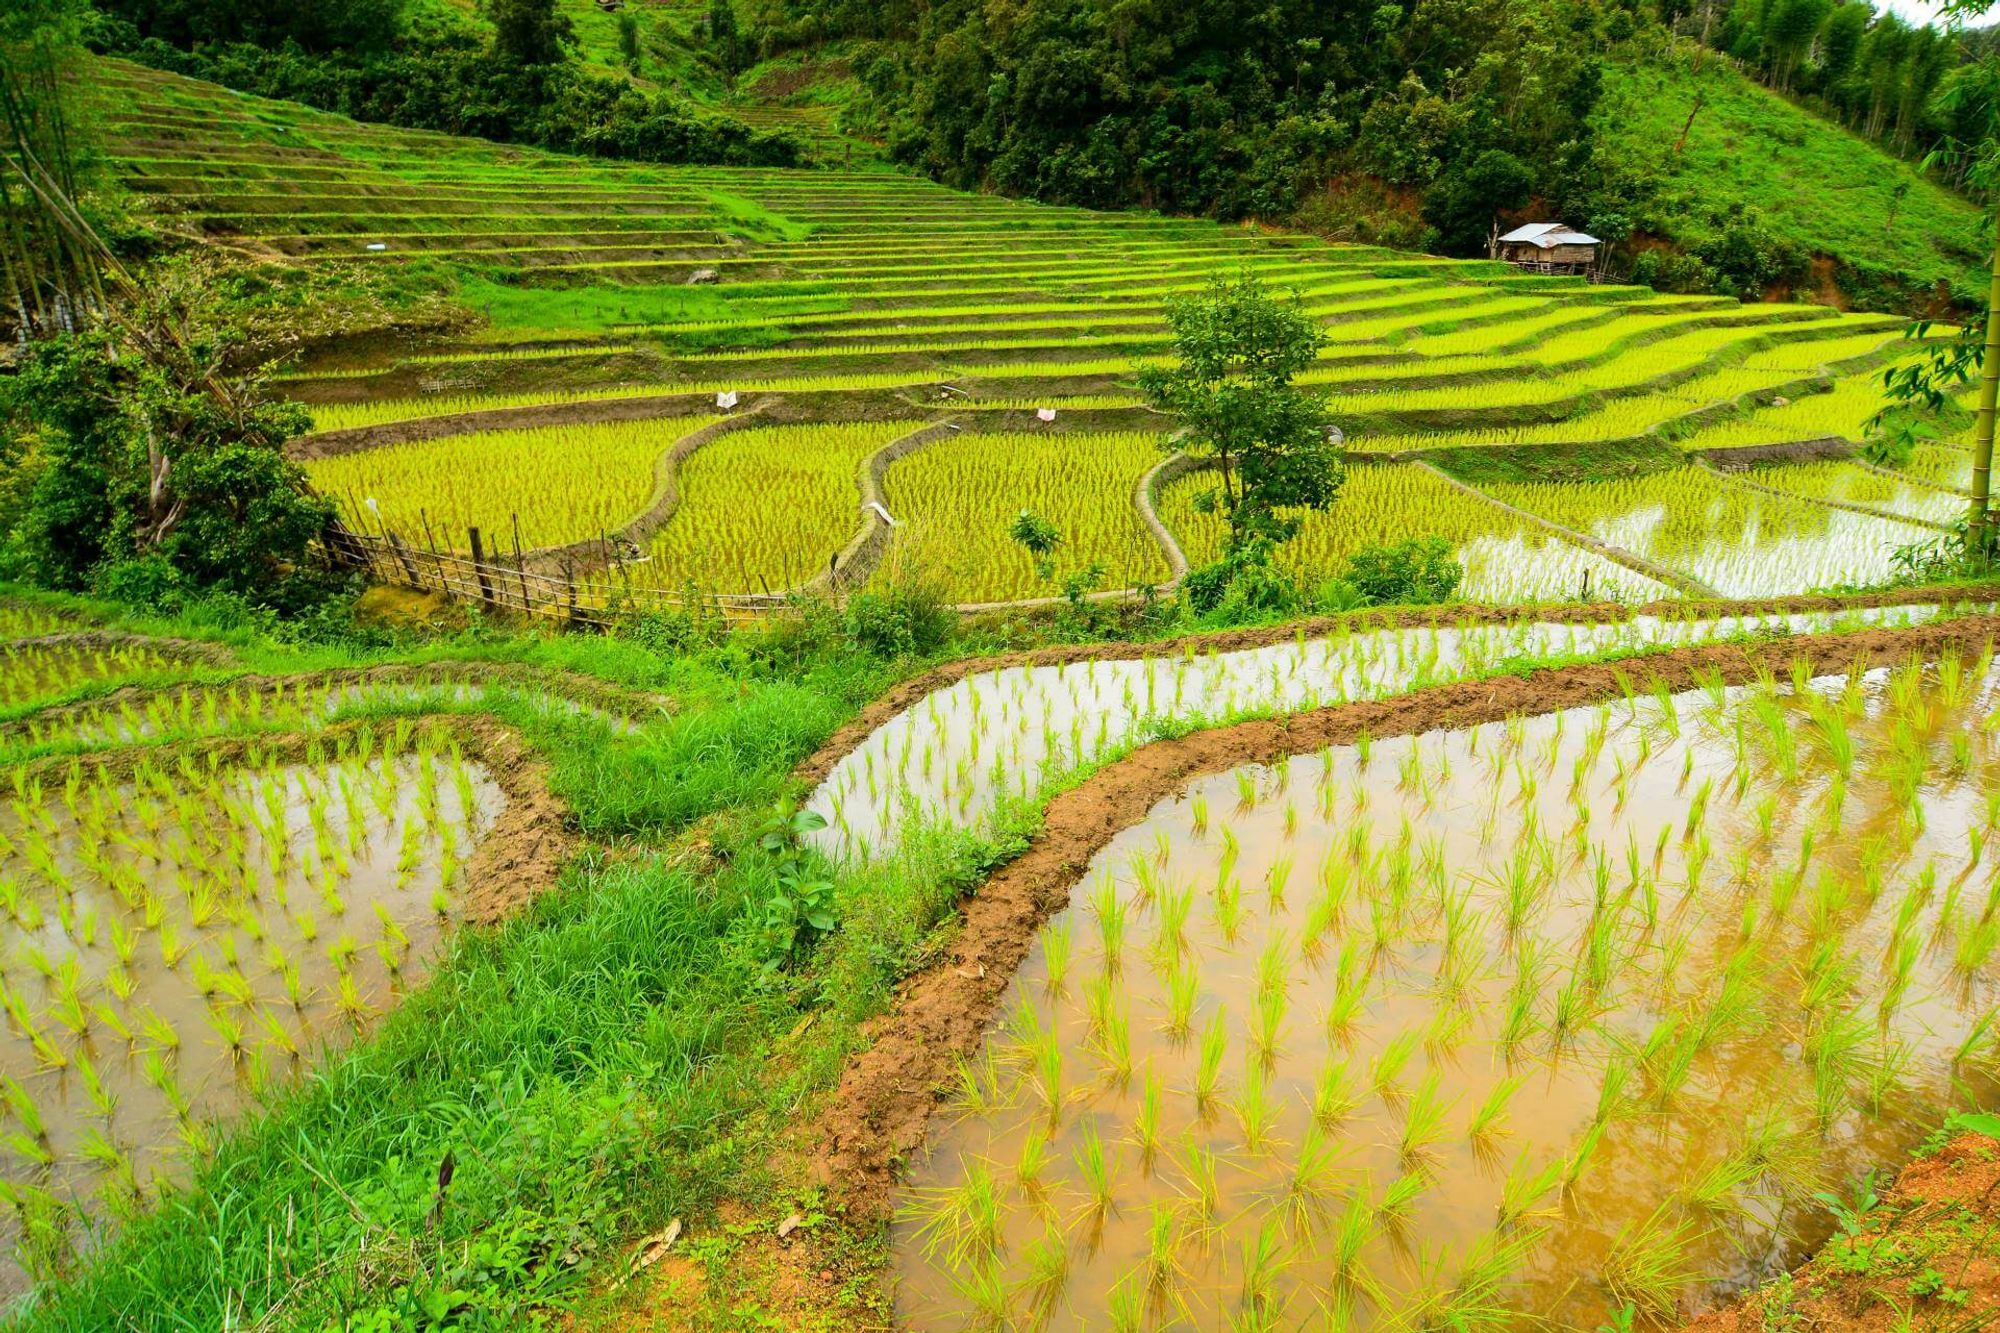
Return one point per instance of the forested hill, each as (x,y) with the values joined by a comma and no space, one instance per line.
(1413,123)
(1417,122)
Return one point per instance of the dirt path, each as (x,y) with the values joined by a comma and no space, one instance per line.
(879,1115)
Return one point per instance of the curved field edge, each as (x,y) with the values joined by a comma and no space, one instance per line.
(1920,1257)
(888,1091)
(17,726)
(516,859)
(836,404)
(857,560)
(912,690)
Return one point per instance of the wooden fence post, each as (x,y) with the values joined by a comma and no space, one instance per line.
(520,565)
(479,567)
(403,556)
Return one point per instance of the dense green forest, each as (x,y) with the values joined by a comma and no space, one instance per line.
(510,72)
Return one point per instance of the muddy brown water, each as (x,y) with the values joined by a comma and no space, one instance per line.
(184,937)
(1712,973)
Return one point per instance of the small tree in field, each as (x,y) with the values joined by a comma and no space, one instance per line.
(1238,350)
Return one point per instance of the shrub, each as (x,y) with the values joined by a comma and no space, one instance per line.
(674,630)
(902,620)
(1417,571)
(1245,584)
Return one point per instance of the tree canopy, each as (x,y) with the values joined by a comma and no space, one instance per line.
(1237,350)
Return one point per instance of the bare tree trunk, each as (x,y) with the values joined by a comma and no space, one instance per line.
(1700,100)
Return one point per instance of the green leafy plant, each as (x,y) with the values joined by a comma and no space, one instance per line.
(800,908)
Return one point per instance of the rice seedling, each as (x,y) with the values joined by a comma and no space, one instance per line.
(961,1224)
(1651,1261)
(1489,1122)
(1109,907)
(1255,1112)
(1048,1270)
(1183,989)
(1093,1168)
(1267,1024)
(1125,1306)
(1399,1199)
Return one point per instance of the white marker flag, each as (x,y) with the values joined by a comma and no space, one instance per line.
(726,399)
(1046,413)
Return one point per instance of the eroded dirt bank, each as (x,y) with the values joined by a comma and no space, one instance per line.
(879,1114)
(1926,1259)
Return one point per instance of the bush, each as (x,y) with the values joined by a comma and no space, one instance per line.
(230,514)
(1419,571)
(675,630)
(149,581)
(1243,585)
(903,620)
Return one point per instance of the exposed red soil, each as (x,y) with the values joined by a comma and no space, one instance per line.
(523,853)
(880,1113)
(811,1280)
(1924,1260)
(905,693)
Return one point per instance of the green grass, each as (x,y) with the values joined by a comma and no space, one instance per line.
(1813,183)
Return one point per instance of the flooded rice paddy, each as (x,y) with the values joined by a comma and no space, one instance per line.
(295,706)
(1527,565)
(1530,1022)
(188,932)
(962,750)
(32,671)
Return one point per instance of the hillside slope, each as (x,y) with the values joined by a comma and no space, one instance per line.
(1812,183)
(670,47)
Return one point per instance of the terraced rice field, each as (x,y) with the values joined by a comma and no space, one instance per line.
(1506,559)
(1544,1018)
(1735,540)
(202,888)
(982,744)
(552,485)
(1533,1019)
(764,508)
(853,299)
(955,500)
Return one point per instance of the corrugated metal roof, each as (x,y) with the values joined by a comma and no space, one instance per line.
(1545,234)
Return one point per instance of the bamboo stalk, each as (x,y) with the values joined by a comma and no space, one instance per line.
(1978,533)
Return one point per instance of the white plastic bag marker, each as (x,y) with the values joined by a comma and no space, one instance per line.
(1046,413)
(726,399)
